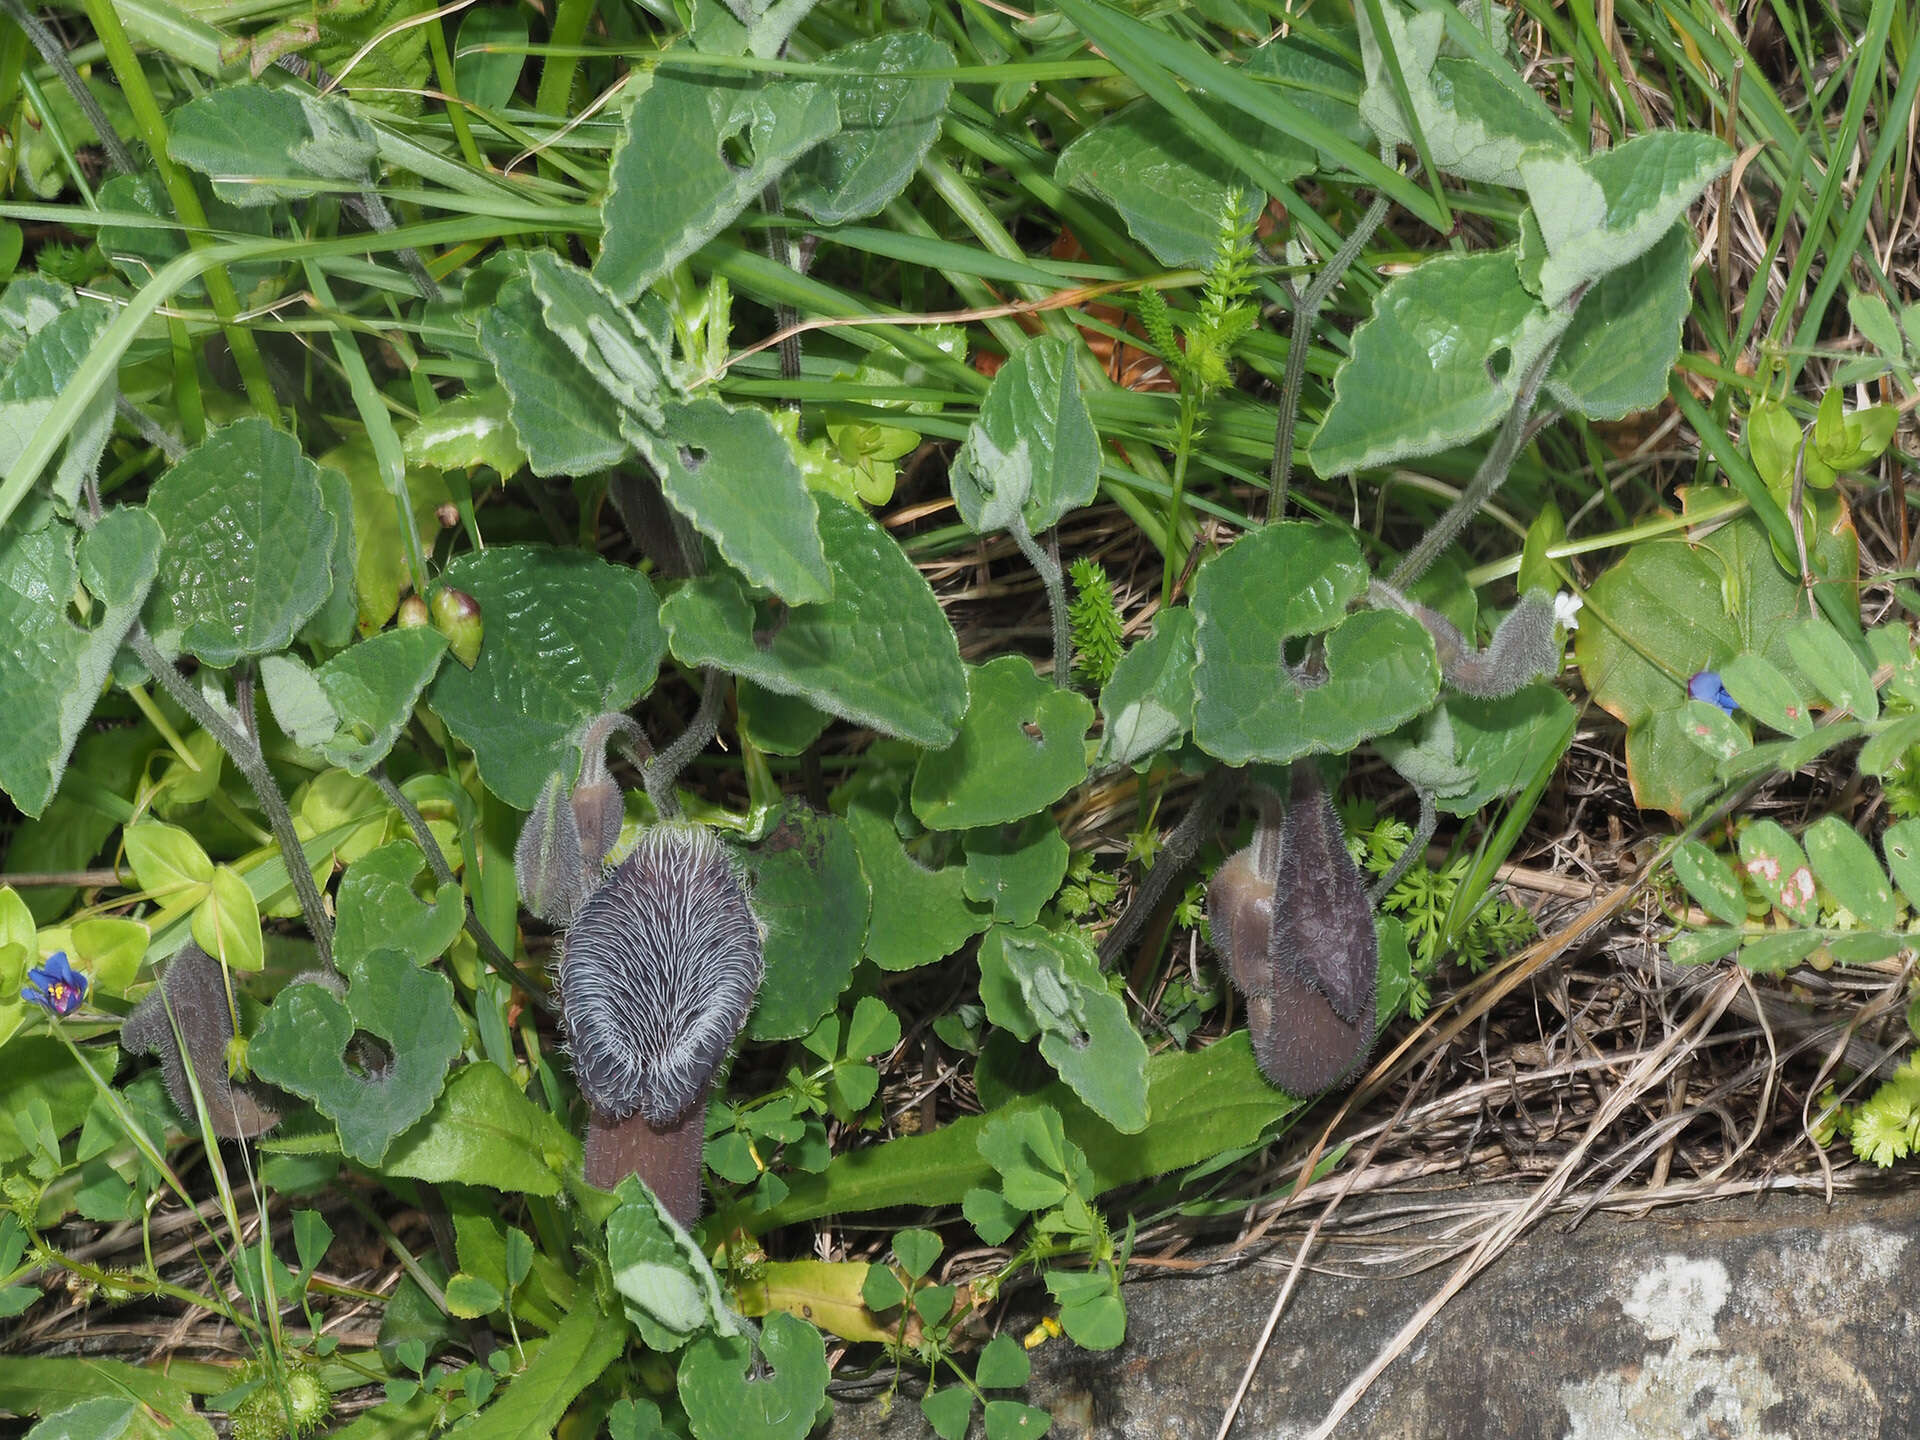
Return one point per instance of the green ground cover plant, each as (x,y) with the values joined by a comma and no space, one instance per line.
(636,626)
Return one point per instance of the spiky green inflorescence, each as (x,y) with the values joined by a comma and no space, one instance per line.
(1227,311)
(1204,364)
(1094,619)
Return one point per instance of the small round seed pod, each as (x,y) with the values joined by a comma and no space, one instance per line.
(657,974)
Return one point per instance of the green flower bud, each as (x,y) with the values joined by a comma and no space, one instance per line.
(456,615)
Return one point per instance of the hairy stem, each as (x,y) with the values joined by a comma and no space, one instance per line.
(1176,853)
(1416,848)
(1299,340)
(1513,436)
(660,774)
(1046,564)
(497,959)
(49,47)
(244,751)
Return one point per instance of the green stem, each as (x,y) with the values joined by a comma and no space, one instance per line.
(1173,554)
(556,74)
(448,80)
(48,44)
(244,751)
(497,959)
(186,200)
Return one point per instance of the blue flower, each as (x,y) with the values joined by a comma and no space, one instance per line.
(1705,685)
(56,985)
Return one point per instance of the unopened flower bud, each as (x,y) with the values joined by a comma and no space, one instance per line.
(1290,914)
(413,614)
(456,615)
(547,862)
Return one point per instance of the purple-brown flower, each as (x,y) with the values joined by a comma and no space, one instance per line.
(55,986)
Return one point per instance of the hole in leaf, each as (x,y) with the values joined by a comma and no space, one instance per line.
(1500,363)
(691,459)
(736,150)
(368,1056)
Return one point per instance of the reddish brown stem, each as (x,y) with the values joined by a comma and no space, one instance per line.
(667,1160)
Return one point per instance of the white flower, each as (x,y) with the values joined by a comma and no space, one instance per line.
(1566,610)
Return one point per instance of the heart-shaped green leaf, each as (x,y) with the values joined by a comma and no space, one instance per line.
(1474,126)
(733,475)
(1170,191)
(352,708)
(569,637)
(52,670)
(1016,868)
(879,653)
(1616,356)
(249,543)
(919,915)
(1021,746)
(672,186)
(1033,453)
(782,1400)
(1601,213)
(1036,982)
(559,411)
(1439,362)
(1274,585)
(1484,748)
(810,896)
(669,1290)
(259,144)
(1147,703)
(888,122)
(378,909)
(303,1046)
